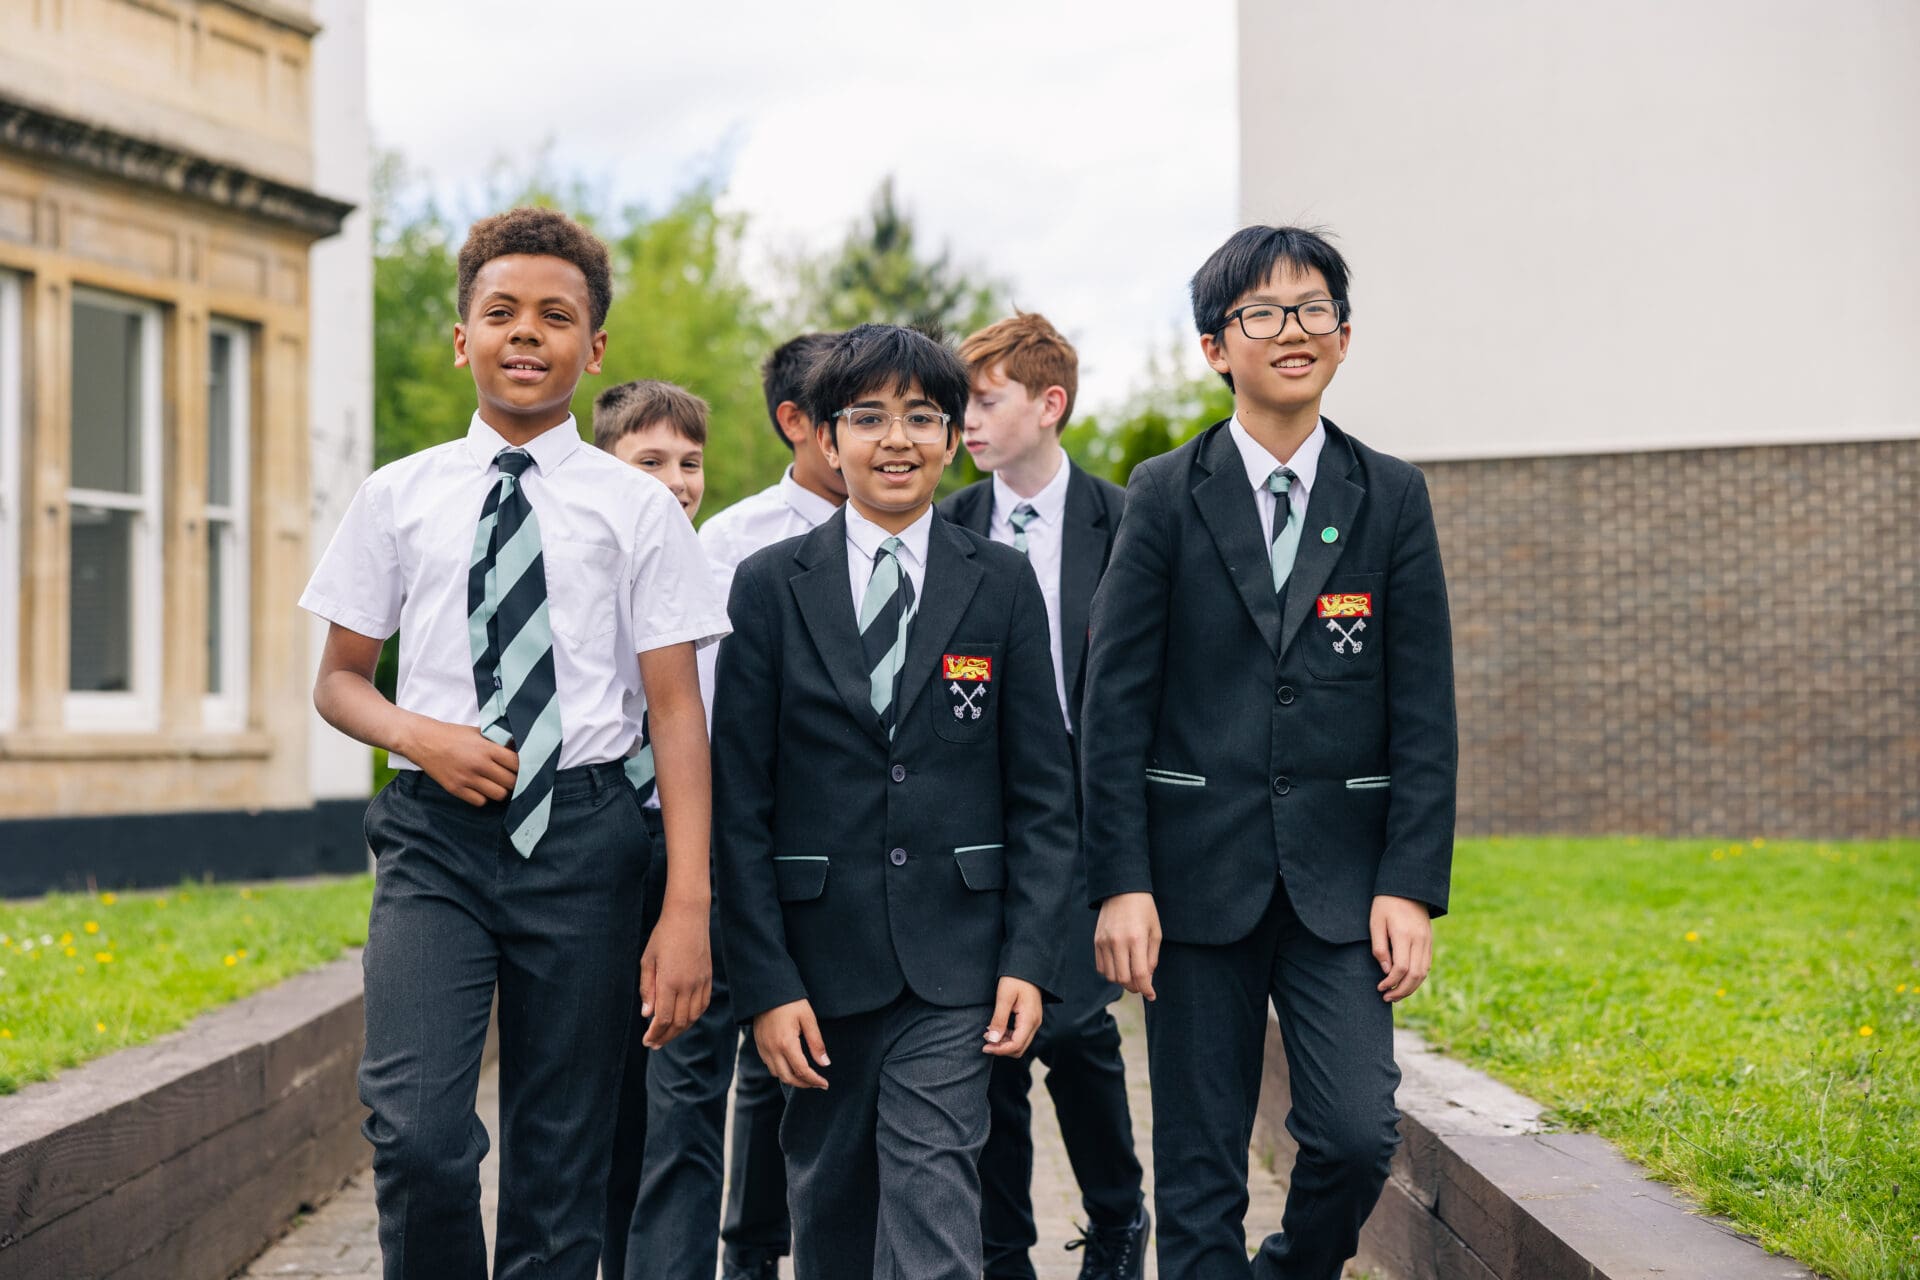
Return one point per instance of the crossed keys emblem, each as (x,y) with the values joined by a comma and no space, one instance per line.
(966,703)
(1345,635)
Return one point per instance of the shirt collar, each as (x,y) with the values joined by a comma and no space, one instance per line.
(549,449)
(866,536)
(1305,462)
(806,504)
(1050,504)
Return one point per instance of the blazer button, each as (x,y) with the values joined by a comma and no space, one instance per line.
(1282,785)
(1284,695)
(898,773)
(898,857)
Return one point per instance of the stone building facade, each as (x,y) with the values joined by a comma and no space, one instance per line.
(1637,286)
(158,217)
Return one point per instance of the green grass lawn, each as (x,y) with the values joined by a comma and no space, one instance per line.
(85,974)
(1741,1017)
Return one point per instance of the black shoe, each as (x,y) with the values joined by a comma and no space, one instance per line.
(1115,1253)
(764,1269)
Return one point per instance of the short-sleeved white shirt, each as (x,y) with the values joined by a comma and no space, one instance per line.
(625,575)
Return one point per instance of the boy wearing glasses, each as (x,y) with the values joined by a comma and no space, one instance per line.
(1268,763)
(896,826)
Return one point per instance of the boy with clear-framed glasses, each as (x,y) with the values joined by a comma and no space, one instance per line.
(1268,760)
(896,828)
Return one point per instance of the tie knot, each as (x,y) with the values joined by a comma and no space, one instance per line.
(1023,515)
(890,547)
(513,462)
(1280,481)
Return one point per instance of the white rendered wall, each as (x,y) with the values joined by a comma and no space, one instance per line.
(340,375)
(1688,222)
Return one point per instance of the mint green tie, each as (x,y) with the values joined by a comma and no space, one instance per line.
(1286,530)
(1020,518)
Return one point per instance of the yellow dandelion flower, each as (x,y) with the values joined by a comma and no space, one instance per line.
(99,1026)
(103,957)
(242,953)
(1719,855)
(1736,851)
(159,902)
(1692,936)
(109,898)
(232,961)
(1901,987)
(91,926)
(71,952)
(246,893)
(66,938)
(6,1033)
(1759,842)
(79,968)
(1866,1031)
(1720,994)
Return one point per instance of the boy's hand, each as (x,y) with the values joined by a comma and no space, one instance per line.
(1403,944)
(785,1035)
(676,974)
(1126,941)
(1016,1018)
(463,760)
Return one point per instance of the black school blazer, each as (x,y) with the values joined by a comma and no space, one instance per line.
(849,867)
(1226,740)
(1091,521)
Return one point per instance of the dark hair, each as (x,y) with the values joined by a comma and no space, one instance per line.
(865,359)
(635,406)
(541,231)
(783,375)
(1248,257)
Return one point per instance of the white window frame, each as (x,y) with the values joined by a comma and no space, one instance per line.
(138,709)
(228,710)
(12,457)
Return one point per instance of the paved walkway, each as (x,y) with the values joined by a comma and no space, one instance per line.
(338,1238)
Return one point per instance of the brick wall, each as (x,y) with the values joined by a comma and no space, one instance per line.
(1704,642)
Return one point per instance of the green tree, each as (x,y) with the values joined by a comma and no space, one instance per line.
(1170,409)
(880,275)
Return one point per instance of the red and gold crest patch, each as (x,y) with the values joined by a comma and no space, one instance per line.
(960,666)
(1352,604)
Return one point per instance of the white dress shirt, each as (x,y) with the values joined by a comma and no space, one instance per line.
(1045,539)
(625,575)
(863,543)
(1305,465)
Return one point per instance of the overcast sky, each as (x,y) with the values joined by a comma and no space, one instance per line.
(1085,153)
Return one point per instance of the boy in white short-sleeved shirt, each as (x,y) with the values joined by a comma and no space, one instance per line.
(525,570)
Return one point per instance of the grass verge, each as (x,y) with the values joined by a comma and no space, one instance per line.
(1741,1017)
(85,974)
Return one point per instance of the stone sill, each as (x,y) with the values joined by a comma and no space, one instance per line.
(247,745)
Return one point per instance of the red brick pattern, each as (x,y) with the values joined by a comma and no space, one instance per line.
(1703,642)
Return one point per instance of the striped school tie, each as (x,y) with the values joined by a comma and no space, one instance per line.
(1286,530)
(512,641)
(639,765)
(1021,517)
(885,614)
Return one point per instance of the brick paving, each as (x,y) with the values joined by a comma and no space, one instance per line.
(337,1239)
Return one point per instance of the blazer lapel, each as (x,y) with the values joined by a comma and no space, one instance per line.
(973,507)
(1083,554)
(954,575)
(824,596)
(1225,498)
(1332,505)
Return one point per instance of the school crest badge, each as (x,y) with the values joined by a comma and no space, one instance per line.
(1346,617)
(966,677)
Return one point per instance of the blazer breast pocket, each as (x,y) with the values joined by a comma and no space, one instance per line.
(1345,628)
(965,694)
(799,878)
(584,589)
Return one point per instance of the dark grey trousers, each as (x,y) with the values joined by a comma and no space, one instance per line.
(755,1227)
(456,913)
(881,1177)
(663,1195)
(1206,1038)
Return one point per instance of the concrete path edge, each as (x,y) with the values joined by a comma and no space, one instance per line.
(1481,1190)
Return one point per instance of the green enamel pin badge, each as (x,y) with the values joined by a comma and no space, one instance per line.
(1329,533)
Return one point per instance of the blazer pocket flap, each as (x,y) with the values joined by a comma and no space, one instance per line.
(800,879)
(982,866)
